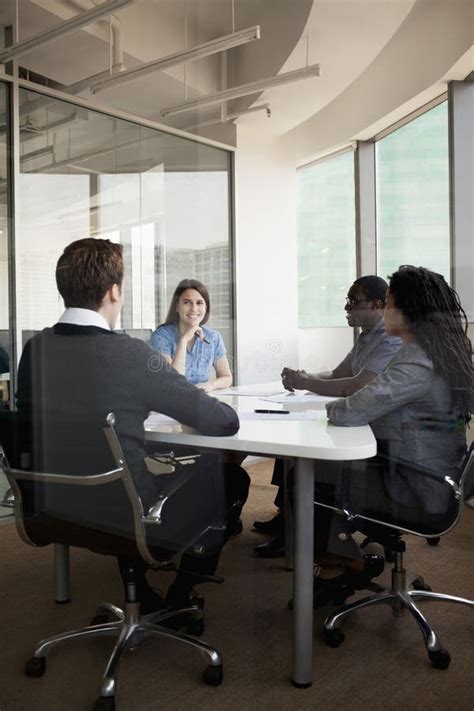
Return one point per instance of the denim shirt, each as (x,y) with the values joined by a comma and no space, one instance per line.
(200,359)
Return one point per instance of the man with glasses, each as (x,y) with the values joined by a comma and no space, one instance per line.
(372,351)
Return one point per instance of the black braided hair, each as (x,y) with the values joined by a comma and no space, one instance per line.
(436,318)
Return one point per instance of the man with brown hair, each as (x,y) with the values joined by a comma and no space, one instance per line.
(82,368)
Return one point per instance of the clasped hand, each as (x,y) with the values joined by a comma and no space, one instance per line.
(293,379)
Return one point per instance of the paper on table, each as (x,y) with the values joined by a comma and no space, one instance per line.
(289,398)
(251,391)
(157,418)
(307,415)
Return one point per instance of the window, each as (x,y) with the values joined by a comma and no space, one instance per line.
(412,168)
(326,240)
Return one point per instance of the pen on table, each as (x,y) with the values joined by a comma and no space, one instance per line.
(272,412)
(204,340)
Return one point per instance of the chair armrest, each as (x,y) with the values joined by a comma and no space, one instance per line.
(429,474)
(87,480)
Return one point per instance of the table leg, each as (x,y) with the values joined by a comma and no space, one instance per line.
(303,574)
(289,520)
(62,583)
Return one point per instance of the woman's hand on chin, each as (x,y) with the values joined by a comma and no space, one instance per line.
(207,387)
(190,332)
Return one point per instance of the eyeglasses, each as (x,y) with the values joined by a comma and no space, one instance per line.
(356,302)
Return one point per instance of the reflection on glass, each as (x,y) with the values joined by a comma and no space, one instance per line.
(326,240)
(412,167)
(5,339)
(5,334)
(165,198)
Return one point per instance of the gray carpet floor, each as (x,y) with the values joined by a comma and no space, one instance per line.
(382,664)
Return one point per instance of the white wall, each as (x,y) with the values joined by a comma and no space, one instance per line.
(321,349)
(268,336)
(265,190)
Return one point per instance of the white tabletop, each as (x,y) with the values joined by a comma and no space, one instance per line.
(311,439)
(304,440)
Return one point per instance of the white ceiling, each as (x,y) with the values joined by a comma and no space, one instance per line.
(343,36)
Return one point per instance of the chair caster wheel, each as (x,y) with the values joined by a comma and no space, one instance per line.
(440,659)
(334,638)
(104,703)
(419,584)
(36,666)
(433,541)
(100,619)
(213,675)
(196,629)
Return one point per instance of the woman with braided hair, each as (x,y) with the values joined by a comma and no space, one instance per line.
(419,405)
(418,408)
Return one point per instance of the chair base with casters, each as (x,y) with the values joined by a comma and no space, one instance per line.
(400,596)
(130,628)
(100,510)
(384,528)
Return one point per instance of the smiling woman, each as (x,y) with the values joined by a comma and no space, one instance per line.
(192,349)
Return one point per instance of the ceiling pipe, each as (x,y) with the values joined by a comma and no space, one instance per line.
(206,49)
(116,29)
(63,30)
(84,84)
(47,150)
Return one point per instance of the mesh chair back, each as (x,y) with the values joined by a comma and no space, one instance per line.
(363,495)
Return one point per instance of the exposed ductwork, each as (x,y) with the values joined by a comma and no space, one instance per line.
(63,30)
(116,31)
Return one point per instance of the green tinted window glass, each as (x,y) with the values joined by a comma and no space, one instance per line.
(326,240)
(413,195)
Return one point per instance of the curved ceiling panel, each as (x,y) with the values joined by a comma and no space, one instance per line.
(432,38)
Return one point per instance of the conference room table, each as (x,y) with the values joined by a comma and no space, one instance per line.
(302,435)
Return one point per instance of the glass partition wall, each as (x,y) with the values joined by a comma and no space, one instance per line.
(81,173)
(165,198)
(5,333)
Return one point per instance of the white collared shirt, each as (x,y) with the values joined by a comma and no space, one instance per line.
(84,317)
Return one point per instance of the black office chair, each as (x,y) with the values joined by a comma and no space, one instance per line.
(103,512)
(389,532)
